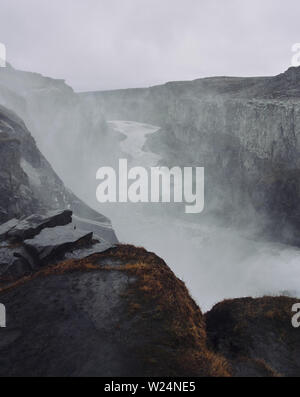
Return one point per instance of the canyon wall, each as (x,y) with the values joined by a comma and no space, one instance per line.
(244,131)
(71,134)
(29,185)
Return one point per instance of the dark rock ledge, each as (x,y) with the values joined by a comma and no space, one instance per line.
(40,239)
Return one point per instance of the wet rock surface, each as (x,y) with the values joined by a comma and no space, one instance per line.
(31,226)
(73,331)
(83,252)
(39,239)
(91,318)
(15,261)
(51,243)
(124,313)
(6,227)
(256,336)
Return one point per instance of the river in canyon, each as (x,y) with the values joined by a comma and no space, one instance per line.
(215,262)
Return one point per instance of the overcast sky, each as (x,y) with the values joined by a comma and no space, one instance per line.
(106,44)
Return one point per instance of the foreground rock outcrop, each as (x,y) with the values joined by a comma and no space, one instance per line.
(119,313)
(256,336)
(27,245)
(123,312)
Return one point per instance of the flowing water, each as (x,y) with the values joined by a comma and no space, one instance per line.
(214,262)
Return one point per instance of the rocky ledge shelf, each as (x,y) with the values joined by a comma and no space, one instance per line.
(41,239)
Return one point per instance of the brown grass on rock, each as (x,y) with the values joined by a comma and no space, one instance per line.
(164,317)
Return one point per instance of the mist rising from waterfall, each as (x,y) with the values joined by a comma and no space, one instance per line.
(215,261)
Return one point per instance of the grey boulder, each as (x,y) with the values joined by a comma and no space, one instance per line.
(54,243)
(31,226)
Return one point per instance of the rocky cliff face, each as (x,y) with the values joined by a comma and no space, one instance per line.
(72,134)
(244,131)
(29,185)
